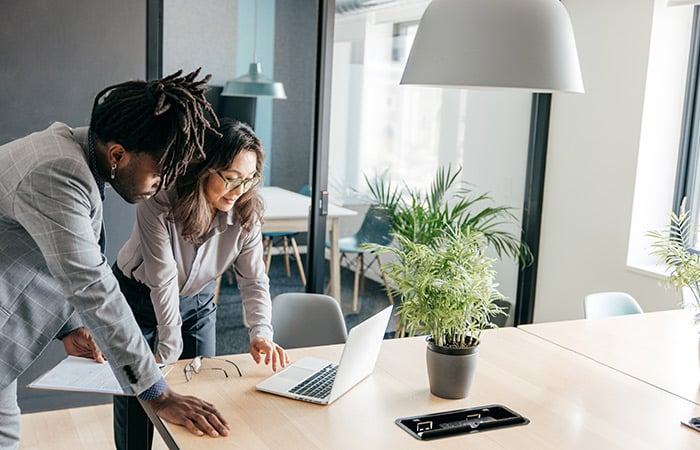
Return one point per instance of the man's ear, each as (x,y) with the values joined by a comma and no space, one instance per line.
(116,153)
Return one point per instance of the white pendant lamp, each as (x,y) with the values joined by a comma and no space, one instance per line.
(682,2)
(254,83)
(512,44)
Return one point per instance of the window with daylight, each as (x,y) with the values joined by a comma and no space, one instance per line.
(379,128)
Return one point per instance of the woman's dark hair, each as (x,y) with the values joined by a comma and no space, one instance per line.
(191,209)
(164,118)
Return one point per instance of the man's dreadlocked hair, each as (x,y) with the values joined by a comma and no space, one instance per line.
(164,118)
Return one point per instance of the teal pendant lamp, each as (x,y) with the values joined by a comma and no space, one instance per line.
(484,44)
(254,83)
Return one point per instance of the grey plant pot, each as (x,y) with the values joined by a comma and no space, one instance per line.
(450,370)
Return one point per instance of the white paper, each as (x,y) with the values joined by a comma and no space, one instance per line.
(83,375)
(80,375)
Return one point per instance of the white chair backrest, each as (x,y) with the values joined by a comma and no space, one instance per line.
(302,319)
(605,304)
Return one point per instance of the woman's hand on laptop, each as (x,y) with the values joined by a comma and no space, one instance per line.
(274,354)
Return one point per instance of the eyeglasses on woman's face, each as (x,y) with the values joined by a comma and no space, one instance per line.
(234,183)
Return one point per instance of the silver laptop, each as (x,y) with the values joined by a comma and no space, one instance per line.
(319,381)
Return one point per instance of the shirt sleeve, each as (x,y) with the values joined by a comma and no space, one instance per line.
(160,275)
(254,285)
(58,205)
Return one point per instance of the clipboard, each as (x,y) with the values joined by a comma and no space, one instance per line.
(76,374)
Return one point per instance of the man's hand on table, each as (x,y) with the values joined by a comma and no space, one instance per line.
(198,416)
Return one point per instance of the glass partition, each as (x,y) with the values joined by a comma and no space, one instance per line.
(380,128)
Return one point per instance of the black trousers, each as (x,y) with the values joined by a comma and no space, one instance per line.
(132,428)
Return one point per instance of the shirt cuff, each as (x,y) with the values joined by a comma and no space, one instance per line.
(170,343)
(260,331)
(71,325)
(154,391)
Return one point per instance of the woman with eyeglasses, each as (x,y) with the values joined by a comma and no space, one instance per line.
(185,238)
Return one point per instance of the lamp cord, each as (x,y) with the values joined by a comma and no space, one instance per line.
(255,32)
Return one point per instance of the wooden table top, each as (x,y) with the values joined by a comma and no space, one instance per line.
(572,402)
(659,348)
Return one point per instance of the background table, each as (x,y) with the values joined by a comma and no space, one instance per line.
(572,402)
(289,211)
(659,348)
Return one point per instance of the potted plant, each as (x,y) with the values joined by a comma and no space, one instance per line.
(672,246)
(447,204)
(447,291)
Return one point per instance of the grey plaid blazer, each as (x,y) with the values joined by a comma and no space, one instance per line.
(51,264)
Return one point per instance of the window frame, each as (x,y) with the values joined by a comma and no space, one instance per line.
(689,151)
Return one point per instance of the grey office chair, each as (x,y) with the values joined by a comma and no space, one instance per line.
(605,304)
(301,319)
(500,320)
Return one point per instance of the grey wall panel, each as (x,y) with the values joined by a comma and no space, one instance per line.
(55,56)
(292,120)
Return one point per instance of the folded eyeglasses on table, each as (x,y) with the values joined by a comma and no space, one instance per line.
(197,365)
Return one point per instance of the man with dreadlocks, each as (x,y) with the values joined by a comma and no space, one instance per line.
(53,275)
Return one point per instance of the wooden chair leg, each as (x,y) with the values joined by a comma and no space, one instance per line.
(268,257)
(386,282)
(329,286)
(362,273)
(358,268)
(298,258)
(401,332)
(229,275)
(286,256)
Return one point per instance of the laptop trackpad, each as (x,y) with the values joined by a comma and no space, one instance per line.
(296,373)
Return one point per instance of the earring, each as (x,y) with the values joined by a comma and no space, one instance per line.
(113,173)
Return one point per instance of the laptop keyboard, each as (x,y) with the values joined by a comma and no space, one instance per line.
(317,385)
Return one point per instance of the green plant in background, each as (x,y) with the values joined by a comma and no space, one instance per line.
(672,246)
(448,204)
(446,286)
